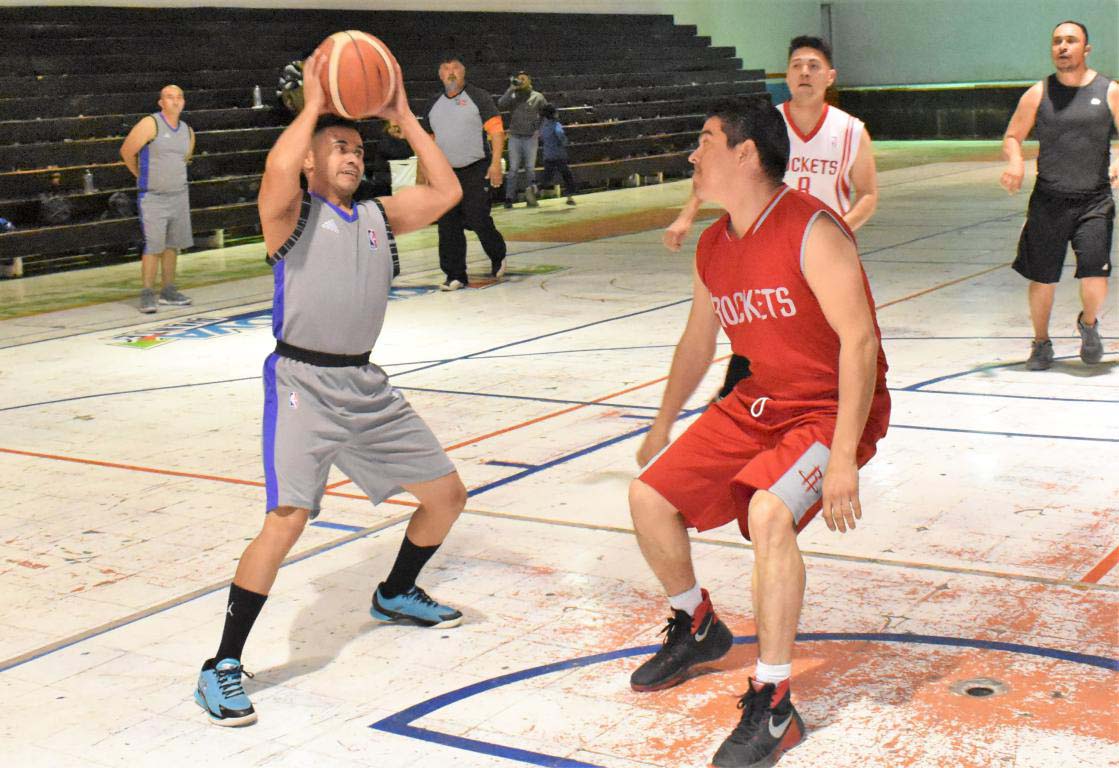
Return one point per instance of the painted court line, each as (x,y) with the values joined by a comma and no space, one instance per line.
(401,722)
(1102,568)
(957,570)
(175,602)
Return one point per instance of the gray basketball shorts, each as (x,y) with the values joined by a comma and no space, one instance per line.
(352,418)
(165,219)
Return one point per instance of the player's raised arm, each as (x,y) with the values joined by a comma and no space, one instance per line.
(280,193)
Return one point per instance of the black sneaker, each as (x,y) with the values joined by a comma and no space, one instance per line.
(770,727)
(688,642)
(1041,356)
(1091,346)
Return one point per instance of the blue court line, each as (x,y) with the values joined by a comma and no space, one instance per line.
(530,398)
(336,526)
(982,368)
(864,254)
(1012,397)
(560,332)
(572,456)
(932,261)
(401,722)
(1006,434)
(245,301)
(383,526)
(129,392)
(514,464)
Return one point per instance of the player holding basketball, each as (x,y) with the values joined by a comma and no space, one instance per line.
(830,152)
(779,272)
(324,402)
(1074,110)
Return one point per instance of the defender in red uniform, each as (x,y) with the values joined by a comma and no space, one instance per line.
(780,274)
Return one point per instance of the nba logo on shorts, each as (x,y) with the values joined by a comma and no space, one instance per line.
(372,240)
(293,400)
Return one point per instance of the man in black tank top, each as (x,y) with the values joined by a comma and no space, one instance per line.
(1074,113)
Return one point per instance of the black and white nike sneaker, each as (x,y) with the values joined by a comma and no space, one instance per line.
(770,727)
(689,643)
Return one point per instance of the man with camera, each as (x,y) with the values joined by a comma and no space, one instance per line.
(524,105)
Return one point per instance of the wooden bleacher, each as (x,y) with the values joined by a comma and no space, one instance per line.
(77,79)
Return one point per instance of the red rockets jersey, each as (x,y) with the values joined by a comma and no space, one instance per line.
(820,161)
(763,301)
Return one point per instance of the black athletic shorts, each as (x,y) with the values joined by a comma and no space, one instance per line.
(1053,222)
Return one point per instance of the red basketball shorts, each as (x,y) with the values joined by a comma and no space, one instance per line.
(739,446)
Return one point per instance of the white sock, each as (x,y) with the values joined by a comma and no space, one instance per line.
(687,601)
(772,673)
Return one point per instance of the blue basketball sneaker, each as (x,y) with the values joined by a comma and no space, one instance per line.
(413,607)
(220,693)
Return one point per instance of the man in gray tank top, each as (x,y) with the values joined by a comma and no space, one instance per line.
(1073,113)
(157,151)
(325,403)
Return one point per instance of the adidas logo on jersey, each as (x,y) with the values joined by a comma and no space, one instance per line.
(330,225)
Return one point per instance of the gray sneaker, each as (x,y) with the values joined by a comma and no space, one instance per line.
(171,295)
(1091,347)
(147,301)
(1041,356)
(530,197)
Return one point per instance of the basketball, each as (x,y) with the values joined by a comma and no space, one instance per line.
(360,76)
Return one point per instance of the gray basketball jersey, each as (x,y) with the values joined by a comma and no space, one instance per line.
(332,277)
(163,159)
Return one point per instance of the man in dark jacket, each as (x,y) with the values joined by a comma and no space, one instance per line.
(524,105)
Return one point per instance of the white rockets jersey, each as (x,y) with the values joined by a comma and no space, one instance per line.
(820,162)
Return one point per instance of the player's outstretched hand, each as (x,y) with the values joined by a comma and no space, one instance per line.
(314,74)
(654,443)
(841,496)
(674,235)
(397,110)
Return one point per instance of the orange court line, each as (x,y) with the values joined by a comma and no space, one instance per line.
(330,488)
(545,417)
(1102,568)
(191,475)
(942,285)
(134,468)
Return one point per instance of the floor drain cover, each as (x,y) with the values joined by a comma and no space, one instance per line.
(980,687)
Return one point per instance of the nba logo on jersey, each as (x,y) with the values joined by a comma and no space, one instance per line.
(372,240)
(293,400)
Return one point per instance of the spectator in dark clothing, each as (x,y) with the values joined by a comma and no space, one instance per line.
(553,143)
(524,105)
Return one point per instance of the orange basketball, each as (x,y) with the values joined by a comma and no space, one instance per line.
(360,74)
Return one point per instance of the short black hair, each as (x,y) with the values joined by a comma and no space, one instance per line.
(548,111)
(449,56)
(1083,28)
(758,120)
(815,43)
(333,121)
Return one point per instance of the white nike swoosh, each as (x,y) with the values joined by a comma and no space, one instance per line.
(779,731)
(701,636)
